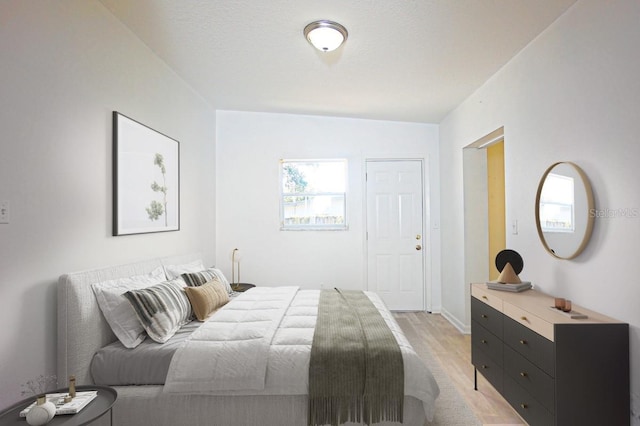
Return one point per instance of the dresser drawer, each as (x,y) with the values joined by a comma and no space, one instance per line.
(487,367)
(486,316)
(528,407)
(487,296)
(535,381)
(529,344)
(533,322)
(487,342)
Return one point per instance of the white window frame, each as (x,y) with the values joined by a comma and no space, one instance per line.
(312,226)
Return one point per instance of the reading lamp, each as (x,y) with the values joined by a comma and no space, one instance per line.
(235,258)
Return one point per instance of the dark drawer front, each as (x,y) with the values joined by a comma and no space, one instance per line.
(487,342)
(486,316)
(528,407)
(487,367)
(530,344)
(535,381)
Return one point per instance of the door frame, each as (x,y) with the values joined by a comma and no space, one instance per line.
(475,215)
(426,229)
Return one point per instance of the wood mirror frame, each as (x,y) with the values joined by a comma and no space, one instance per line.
(569,241)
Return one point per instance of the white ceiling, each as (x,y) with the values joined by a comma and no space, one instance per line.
(404,60)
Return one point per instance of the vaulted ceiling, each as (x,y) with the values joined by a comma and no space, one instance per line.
(404,60)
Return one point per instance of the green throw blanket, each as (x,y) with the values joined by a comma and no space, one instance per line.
(356,371)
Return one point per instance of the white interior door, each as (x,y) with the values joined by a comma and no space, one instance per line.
(395,238)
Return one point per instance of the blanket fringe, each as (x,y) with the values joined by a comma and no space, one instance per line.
(335,411)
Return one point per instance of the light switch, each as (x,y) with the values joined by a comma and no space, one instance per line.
(4,211)
(514,227)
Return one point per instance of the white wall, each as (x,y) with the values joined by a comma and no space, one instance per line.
(249,147)
(64,67)
(572,95)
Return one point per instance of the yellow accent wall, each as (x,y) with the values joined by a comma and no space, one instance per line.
(495,184)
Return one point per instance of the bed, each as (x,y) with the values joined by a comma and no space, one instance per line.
(83,331)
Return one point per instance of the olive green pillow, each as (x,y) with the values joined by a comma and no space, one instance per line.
(207,298)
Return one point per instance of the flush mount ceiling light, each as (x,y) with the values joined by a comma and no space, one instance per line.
(325,35)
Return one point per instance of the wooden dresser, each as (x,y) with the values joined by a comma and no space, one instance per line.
(553,370)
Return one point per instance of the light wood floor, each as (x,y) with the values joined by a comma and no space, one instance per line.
(452,349)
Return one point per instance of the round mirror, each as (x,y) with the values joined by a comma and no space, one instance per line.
(564,210)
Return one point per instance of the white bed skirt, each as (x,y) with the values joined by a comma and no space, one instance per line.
(148,405)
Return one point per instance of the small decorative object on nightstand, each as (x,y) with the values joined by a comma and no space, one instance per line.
(72,390)
(42,413)
(241,287)
(98,406)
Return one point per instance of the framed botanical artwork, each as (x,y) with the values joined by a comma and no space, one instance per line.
(146,179)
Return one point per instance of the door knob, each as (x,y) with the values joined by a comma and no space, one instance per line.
(418,236)
(418,247)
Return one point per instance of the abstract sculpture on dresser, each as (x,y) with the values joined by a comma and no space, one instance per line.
(510,264)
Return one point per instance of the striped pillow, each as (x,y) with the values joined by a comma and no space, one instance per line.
(195,279)
(161,309)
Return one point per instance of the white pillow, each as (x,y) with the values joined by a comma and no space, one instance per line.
(118,311)
(174,271)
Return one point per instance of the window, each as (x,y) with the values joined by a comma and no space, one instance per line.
(313,194)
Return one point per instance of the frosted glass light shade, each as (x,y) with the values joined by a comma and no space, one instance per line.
(325,35)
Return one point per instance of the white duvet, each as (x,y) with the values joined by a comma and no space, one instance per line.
(260,343)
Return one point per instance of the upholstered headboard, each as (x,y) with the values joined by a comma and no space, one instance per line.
(82,329)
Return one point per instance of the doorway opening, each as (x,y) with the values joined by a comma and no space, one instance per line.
(484,206)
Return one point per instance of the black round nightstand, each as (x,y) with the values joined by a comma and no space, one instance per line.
(95,409)
(241,287)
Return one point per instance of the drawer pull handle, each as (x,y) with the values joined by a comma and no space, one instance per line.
(485,297)
(484,367)
(523,405)
(523,342)
(483,341)
(523,318)
(484,316)
(523,374)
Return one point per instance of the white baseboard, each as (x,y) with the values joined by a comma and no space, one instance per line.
(434,310)
(464,329)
